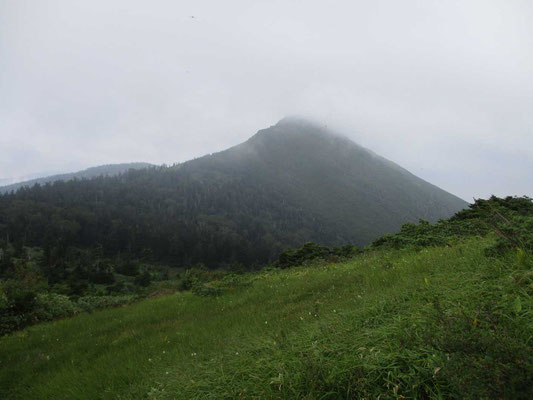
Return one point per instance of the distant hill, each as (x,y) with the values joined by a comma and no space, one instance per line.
(102,170)
(291,183)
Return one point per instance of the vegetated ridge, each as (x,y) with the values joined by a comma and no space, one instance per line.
(93,172)
(291,183)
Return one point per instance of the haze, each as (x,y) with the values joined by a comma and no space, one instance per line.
(443,88)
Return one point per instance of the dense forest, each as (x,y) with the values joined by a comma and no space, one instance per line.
(158,213)
(292,183)
(93,172)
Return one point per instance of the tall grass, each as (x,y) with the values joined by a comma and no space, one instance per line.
(445,322)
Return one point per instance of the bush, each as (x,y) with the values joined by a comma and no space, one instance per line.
(207,290)
(128,268)
(510,219)
(346,251)
(198,275)
(143,279)
(18,299)
(51,306)
(311,251)
(118,287)
(93,303)
(78,288)
(102,277)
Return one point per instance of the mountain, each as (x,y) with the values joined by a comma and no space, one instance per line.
(291,183)
(104,170)
(354,192)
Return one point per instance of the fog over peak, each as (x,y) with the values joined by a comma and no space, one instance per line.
(297,120)
(444,89)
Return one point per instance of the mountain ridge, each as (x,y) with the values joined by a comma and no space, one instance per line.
(91,172)
(290,183)
(292,137)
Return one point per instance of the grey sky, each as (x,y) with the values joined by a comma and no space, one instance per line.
(444,88)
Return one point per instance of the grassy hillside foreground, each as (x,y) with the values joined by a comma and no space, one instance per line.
(440,322)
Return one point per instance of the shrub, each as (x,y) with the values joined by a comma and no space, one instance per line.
(18,302)
(510,218)
(143,279)
(102,277)
(118,287)
(207,290)
(78,288)
(128,268)
(311,251)
(51,306)
(93,303)
(198,275)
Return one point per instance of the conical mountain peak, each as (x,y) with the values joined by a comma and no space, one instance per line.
(297,121)
(293,182)
(295,130)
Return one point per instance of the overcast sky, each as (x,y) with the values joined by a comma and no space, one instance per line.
(444,88)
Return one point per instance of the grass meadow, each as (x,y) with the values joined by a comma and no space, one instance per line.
(441,322)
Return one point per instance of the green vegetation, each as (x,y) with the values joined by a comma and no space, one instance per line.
(32,289)
(40,284)
(510,218)
(93,172)
(436,311)
(312,251)
(134,234)
(287,185)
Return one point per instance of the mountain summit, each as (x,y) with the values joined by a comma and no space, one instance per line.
(288,184)
(354,193)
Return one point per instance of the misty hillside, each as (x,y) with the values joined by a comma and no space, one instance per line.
(289,184)
(358,193)
(93,172)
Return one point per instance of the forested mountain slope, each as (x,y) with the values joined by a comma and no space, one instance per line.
(291,183)
(93,172)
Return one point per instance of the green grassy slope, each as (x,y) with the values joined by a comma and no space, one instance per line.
(438,323)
